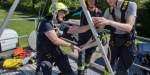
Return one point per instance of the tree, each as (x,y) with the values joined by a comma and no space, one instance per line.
(143,19)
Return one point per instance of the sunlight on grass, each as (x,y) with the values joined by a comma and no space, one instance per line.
(22,27)
(137,41)
(66,49)
(14,15)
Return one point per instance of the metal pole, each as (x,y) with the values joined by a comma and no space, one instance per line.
(13,7)
(35,23)
(69,40)
(20,19)
(90,22)
(145,68)
(15,37)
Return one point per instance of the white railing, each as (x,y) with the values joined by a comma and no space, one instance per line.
(35,20)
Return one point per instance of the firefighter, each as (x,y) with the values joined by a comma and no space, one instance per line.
(48,42)
(120,18)
(85,56)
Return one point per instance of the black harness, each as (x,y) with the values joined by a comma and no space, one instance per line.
(129,36)
(46,46)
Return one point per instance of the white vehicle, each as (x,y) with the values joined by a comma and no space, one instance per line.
(8,40)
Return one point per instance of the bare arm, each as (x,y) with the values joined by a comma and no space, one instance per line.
(130,19)
(88,42)
(124,26)
(121,26)
(57,41)
(77,29)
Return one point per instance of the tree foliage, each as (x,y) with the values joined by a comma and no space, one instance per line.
(143,19)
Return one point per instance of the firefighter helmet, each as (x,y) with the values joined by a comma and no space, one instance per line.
(60,6)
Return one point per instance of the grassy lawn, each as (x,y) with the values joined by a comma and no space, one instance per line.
(22,27)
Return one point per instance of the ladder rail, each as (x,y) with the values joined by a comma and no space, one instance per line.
(7,18)
(90,22)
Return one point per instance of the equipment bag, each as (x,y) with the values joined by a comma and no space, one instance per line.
(12,63)
(21,53)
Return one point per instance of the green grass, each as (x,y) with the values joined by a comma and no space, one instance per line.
(22,27)
(66,49)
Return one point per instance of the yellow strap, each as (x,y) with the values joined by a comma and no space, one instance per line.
(84,3)
(104,39)
(80,67)
(125,4)
(98,52)
(55,27)
(106,72)
(111,9)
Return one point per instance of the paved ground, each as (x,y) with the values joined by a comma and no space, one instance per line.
(6,53)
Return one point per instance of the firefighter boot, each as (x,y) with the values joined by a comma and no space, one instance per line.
(80,72)
(85,68)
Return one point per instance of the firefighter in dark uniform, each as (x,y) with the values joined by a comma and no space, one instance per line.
(48,42)
(85,56)
(121,20)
